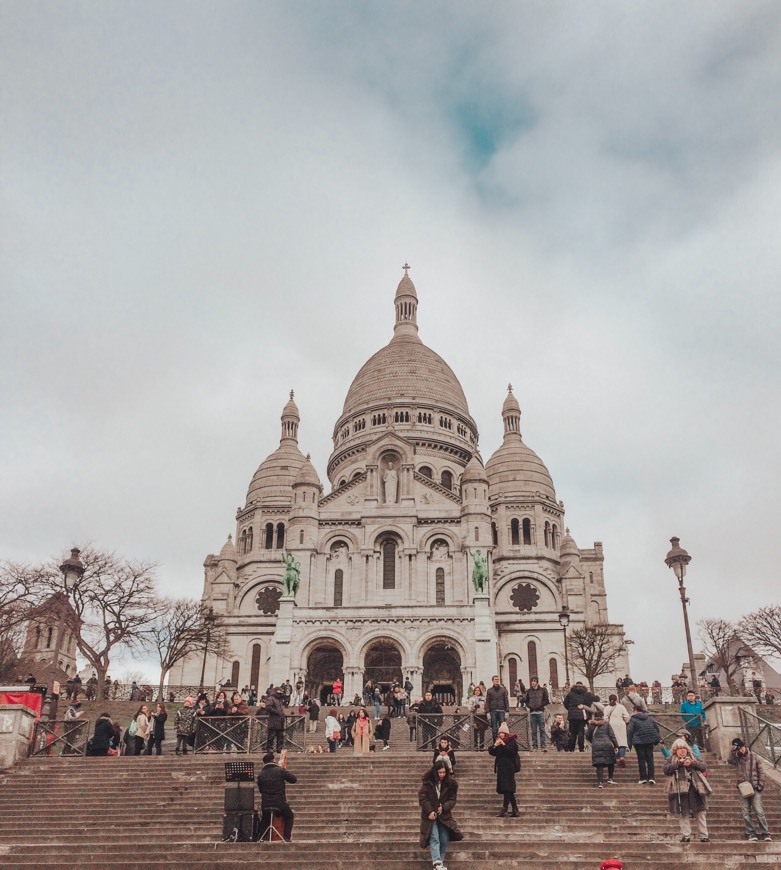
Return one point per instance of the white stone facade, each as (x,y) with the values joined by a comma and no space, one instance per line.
(386,556)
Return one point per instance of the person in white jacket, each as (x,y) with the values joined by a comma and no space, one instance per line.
(617,717)
(333,730)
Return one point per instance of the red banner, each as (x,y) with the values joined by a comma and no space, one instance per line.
(33,700)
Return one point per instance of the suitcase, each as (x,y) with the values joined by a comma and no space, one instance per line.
(240,797)
(240,827)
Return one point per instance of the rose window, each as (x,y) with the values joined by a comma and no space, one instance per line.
(525,596)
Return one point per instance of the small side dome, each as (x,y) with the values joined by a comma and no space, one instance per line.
(474,471)
(307,475)
(569,550)
(228,551)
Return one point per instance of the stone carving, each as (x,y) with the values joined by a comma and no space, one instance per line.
(525,597)
(292,574)
(391,481)
(440,551)
(267,600)
(479,572)
(338,552)
(425,498)
(352,499)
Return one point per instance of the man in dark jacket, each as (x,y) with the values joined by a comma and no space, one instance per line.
(749,769)
(497,704)
(271,785)
(537,700)
(642,734)
(576,701)
(429,719)
(276,720)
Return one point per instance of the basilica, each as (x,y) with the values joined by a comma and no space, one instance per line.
(383,558)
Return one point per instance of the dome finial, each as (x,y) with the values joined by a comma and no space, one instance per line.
(290,420)
(509,388)
(406,302)
(292,394)
(511,414)
(406,268)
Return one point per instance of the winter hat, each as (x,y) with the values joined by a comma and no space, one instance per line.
(611,864)
(504,729)
(738,743)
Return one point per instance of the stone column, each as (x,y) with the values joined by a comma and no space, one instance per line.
(416,678)
(16,728)
(485,640)
(723,720)
(280,642)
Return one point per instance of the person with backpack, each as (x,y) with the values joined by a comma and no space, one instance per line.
(507,762)
(642,735)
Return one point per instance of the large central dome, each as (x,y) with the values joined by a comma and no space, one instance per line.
(405,370)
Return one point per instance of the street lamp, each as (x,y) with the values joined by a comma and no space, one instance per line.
(72,571)
(564,622)
(209,619)
(678,559)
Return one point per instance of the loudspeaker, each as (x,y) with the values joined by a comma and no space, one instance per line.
(240,797)
(240,827)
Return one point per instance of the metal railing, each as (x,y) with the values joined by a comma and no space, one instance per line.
(466,731)
(246,734)
(59,738)
(761,736)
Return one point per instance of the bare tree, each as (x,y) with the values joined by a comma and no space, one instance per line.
(595,650)
(761,630)
(178,630)
(112,604)
(720,643)
(22,590)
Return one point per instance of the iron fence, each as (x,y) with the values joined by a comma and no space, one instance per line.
(761,736)
(60,738)
(246,734)
(466,731)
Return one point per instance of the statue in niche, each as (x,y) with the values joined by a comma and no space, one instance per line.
(441,551)
(292,574)
(338,552)
(480,572)
(391,481)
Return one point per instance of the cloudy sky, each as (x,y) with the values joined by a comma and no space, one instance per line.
(203,205)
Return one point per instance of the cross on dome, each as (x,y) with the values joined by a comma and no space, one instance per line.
(406,268)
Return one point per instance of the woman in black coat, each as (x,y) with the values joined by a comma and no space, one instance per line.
(604,748)
(507,763)
(157,730)
(437,796)
(103,736)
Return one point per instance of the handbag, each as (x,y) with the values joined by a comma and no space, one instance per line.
(746,789)
(701,784)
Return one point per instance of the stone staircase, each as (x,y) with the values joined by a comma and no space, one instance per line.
(360,811)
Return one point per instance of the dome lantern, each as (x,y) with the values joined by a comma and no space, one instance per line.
(511,414)
(406,303)
(290,420)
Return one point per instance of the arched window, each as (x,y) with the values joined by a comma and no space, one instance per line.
(343,481)
(477,533)
(301,537)
(494,535)
(554,674)
(547,534)
(249,540)
(440,586)
(235,675)
(49,634)
(555,537)
(527,531)
(243,543)
(515,533)
(269,536)
(254,674)
(426,472)
(37,636)
(280,536)
(338,587)
(512,673)
(447,479)
(532,659)
(389,565)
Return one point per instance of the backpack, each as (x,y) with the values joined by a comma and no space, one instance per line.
(133,729)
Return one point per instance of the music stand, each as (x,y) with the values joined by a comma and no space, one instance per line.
(239,771)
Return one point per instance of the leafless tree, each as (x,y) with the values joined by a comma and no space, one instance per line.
(761,630)
(595,650)
(178,630)
(720,643)
(112,604)
(22,591)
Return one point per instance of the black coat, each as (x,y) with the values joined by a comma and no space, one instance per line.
(505,765)
(276,713)
(103,735)
(603,742)
(271,785)
(427,798)
(158,725)
(578,695)
(642,729)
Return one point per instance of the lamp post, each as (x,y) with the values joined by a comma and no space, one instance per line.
(72,571)
(209,620)
(678,559)
(564,622)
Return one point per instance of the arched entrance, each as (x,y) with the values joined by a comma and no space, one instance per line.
(442,673)
(324,665)
(382,664)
